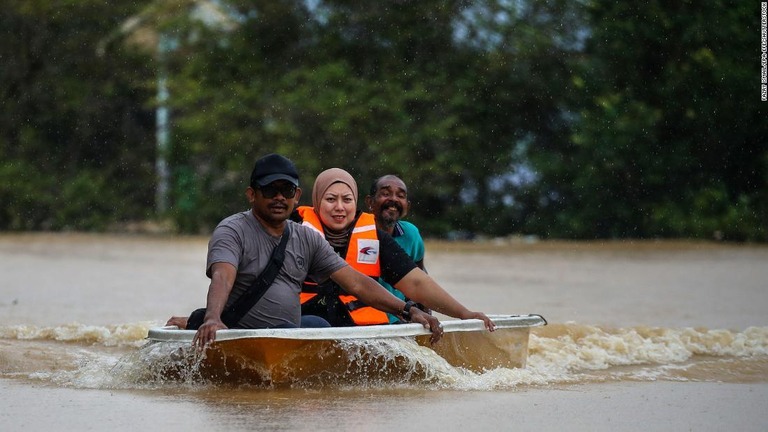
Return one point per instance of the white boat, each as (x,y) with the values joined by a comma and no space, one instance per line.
(290,355)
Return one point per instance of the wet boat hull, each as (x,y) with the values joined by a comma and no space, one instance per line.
(303,355)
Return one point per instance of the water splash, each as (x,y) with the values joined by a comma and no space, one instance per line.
(132,334)
(581,347)
(114,357)
(572,352)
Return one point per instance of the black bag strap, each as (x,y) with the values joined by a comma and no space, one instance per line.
(232,315)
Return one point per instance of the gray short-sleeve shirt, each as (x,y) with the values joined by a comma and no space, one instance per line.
(241,240)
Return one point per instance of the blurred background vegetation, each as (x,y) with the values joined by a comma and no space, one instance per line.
(560,119)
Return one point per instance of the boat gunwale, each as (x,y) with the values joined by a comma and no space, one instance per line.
(174,334)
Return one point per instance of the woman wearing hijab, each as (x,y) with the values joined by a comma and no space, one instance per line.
(354,236)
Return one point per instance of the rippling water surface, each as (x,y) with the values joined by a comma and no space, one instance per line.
(678,329)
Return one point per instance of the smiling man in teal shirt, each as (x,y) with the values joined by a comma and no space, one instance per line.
(388,201)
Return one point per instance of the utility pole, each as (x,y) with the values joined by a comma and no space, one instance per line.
(162,115)
(150,21)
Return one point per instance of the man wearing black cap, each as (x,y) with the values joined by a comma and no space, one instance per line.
(241,245)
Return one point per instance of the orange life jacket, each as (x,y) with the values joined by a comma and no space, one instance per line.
(362,255)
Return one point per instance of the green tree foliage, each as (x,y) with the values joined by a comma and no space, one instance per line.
(564,119)
(441,92)
(70,119)
(669,140)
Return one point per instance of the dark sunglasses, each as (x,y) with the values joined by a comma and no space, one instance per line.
(271,190)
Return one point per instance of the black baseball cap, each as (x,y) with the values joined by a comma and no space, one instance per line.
(273,167)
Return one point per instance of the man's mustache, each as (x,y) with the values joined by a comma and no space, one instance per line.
(394,204)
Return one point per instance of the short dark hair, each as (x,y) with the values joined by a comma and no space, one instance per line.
(375,184)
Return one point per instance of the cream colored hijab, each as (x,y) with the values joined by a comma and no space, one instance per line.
(323,181)
(328,177)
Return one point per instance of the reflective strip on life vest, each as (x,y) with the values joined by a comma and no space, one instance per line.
(362,255)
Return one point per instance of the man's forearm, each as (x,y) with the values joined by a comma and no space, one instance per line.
(377,296)
(218,293)
(368,290)
(420,287)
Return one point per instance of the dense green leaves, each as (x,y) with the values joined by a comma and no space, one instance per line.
(670,137)
(73,125)
(562,119)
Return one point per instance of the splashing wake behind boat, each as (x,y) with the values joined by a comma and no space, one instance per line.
(115,357)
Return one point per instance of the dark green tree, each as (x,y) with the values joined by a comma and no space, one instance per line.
(669,136)
(443,93)
(74,126)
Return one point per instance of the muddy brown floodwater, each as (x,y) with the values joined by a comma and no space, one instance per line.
(643,336)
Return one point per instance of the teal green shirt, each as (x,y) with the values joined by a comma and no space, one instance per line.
(408,237)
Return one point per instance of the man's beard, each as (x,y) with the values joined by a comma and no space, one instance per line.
(385,215)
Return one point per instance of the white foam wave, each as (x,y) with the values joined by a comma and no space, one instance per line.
(558,354)
(132,334)
(563,349)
